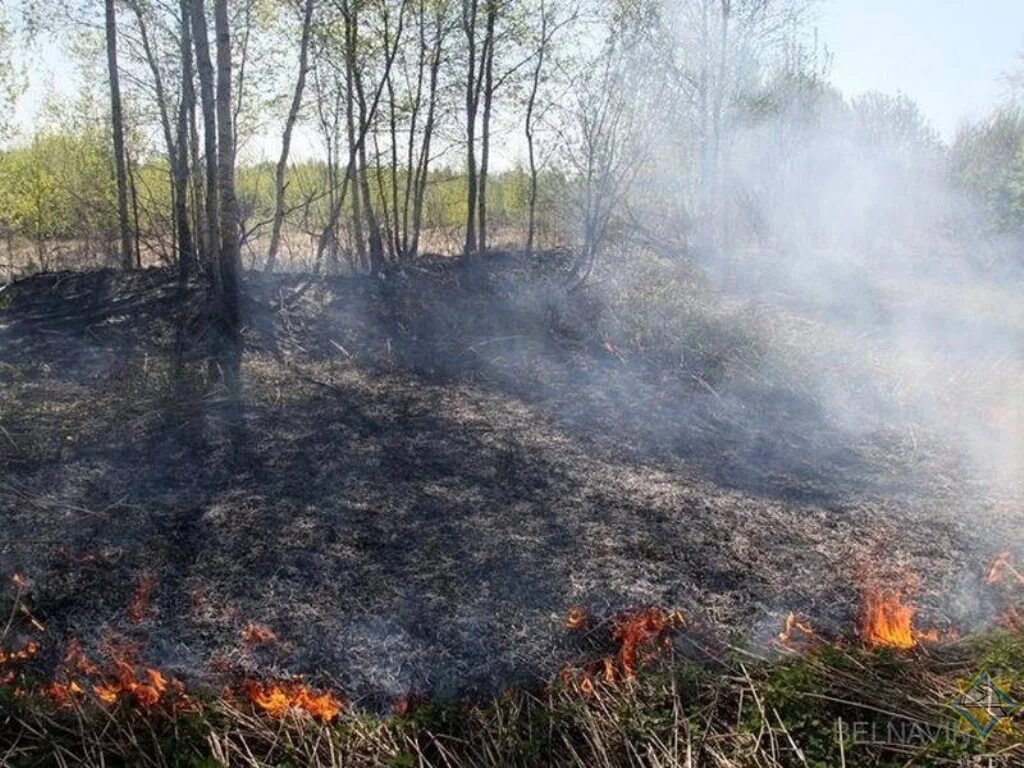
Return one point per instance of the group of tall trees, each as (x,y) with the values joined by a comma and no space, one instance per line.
(640,119)
(372,85)
(374,78)
(216,222)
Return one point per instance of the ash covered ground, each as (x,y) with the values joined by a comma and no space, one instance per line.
(420,476)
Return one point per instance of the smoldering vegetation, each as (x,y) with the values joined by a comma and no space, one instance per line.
(778,348)
(419,477)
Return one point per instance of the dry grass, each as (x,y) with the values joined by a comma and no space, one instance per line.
(825,704)
(734,712)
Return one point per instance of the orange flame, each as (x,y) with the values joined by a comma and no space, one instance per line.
(20,655)
(609,669)
(15,657)
(62,691)
(75,659)
(887,622)
(633,630)
(146,689)
(793,626)
(62,694)
(146,694)
(1000,566)
(587,685)
(277,699)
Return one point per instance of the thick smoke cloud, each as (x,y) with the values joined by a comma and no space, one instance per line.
(861,227)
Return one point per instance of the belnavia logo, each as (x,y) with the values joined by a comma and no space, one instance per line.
(983,704)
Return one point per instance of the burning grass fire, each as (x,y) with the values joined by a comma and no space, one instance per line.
(636,630)
(76,677)
(636,644)
(886,618)
(886,621)
(796,634)
(145,693)
(145,688)
(279,699)
(640,635)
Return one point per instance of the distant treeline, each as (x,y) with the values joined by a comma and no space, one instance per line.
(58,204)
(684,126)
(58,201)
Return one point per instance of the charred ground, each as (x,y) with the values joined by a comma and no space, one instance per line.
(422,474)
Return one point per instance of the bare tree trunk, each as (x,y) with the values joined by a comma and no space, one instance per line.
(387,229)
(350,119)
(229,247)
(423,164)
(376,244)
(411,166)
(356,142)
(286,139)
(397,249)
(134,195)
(328,108)
(116,119)
(197,187)
(469,14)
(531,217)
(186,108)
(204,67)
(162,109)
(485,130)
(705,237)
(241,55)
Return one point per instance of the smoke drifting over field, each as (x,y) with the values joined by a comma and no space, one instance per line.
(884,293)
(922,314)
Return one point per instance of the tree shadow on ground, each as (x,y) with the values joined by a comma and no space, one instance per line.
(537,343)
(395,517)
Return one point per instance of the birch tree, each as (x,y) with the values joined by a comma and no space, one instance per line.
(117,126)
(286,138)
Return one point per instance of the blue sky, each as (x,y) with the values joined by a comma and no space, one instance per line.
(948,55)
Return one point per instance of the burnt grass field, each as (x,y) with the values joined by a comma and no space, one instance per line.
(420,476)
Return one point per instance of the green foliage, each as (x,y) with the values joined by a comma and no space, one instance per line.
(58,186)
(1002,653)
(884,699)
(665,307)
(12,79)
(987,161)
